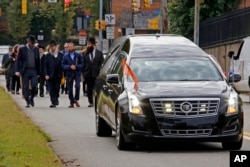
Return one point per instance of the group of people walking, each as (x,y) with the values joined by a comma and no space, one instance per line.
(30,66)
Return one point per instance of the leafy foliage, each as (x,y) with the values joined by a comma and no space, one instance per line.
(19,24)
(48,19)
(181,13)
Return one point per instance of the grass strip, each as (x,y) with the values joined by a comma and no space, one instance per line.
(22,144)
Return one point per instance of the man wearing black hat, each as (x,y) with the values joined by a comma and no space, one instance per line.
(93,59)
(53,72)
(28,67)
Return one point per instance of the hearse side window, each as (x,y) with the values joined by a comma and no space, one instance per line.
(126,46)
(117,68)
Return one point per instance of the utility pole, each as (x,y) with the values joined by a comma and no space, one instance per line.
(196,22)
(100,31)
(164,19)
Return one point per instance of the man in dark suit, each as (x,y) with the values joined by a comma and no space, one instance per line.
(6,58)
(72,65)
(53,72)
(93,59)
(28,67)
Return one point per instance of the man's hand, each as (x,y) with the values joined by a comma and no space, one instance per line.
(73,67)
(17,74)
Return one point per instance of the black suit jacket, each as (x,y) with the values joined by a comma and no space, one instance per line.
(22,58)
(5,61)
(50,66)
(92,69)
(42,62)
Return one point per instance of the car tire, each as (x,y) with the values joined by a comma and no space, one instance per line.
(120,142)
(232,145)
(102,129)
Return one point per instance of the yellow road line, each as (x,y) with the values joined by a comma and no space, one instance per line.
(246,137)
(246,133)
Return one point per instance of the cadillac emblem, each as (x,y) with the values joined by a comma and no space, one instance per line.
(186,107)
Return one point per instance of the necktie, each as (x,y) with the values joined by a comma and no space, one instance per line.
(91,55)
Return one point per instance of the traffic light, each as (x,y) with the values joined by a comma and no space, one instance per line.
(146,3)
(24,6)
(66,5)
(97,24)
(153,24)
(135,7)
(150,26)
(102,24)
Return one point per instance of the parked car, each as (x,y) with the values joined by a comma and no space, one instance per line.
(161,88)
(1,69)
(3,50)
(240,65)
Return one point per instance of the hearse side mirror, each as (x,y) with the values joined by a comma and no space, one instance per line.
(112,78)
(230,54)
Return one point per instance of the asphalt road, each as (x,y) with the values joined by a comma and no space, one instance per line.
(75,142)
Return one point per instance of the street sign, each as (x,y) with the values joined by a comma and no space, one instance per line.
(105,46)
(40,37)
(110,19)
(110,32)
(82,37)
(82,33)
(52,1)
(130,31)
(82,40)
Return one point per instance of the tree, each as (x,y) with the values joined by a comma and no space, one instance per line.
(181,13)
(4,27)
(19,23)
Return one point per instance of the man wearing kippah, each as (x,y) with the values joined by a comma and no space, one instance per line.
(72,65)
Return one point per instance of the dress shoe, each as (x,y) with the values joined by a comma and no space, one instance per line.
(57,103)
(52,106)
(27,106)
(77,104)
(17,92)
(41,95)
(90,105)
(12,92)
(71,105)
(32,102)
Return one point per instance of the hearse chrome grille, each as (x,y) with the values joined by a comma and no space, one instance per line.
(194,132)
(176,107)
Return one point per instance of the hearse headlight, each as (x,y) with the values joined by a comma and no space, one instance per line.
(134,104)
(232,103)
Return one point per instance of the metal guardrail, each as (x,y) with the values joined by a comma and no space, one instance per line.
(228,27)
